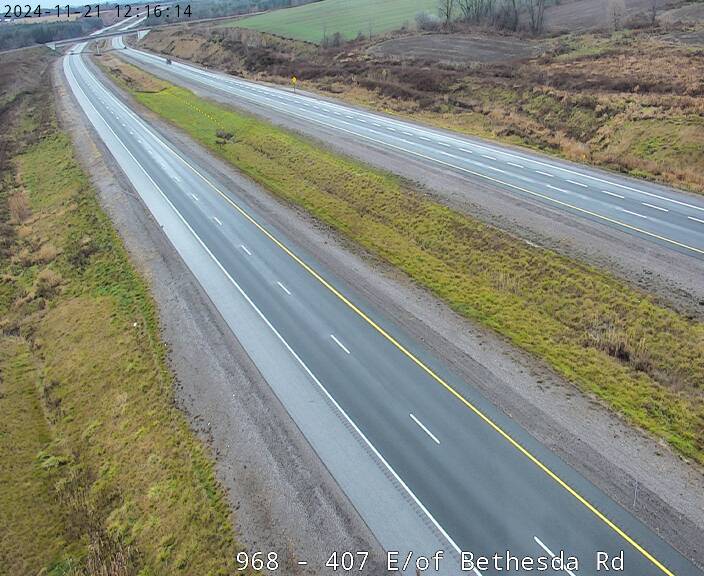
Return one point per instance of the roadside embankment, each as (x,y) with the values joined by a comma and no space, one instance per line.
(644,360)
(101,473)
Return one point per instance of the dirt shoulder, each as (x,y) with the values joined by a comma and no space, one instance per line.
(283,496)
(594,441)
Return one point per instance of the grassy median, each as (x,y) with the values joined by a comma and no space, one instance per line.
(644,360)
(100,472)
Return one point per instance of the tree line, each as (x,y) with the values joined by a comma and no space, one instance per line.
(504,14)
(20,35)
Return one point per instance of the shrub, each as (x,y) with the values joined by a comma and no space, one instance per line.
(427,21)
(19,207)
(47,283)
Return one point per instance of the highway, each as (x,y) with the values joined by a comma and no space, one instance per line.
(477,478)
(669,217)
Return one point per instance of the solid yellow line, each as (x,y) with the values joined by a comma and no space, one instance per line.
(432,374)
(449,388)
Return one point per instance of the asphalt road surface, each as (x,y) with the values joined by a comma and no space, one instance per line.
(478,478)
(669,217)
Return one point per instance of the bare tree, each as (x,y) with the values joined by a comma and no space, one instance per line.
(617,9)
(536,14)
(477,11)
(446,9)
(653,12)
(506,17)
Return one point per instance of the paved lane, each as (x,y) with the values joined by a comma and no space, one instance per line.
(476,476)
(663,215)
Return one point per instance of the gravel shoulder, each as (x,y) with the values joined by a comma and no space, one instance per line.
(579,429)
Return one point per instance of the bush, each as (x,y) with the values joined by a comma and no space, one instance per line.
(427,21)
(18,206)
(47,283)
(223,137)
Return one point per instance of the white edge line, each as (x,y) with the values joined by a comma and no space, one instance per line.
(287,346)
(424,428)
(696,219)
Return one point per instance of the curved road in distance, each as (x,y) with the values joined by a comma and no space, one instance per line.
(664,215)
(484,483)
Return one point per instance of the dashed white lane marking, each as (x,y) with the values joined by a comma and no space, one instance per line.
(424,138)
(408,133)
(634,213)
(348,116)
(613,194)
(578,183)
(655,207)
(217,221)
(174,177)
(390,128)
(545,173)
(194,197)
(424,428)
(340,344)
(376,124)
(552,554)
(496,169)
(362,120)
(245,249)
(558,189)
(696,219)
(488,157)
(516,165)
(445,144)
(284,288)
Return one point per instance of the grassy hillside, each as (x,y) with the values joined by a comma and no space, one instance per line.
(646,361)
(348,17)
(100,472)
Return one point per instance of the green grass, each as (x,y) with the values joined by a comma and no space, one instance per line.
(99,468)
(32,536)
(646,361)
(349,17)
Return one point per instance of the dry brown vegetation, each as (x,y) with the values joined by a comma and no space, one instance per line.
(631,101)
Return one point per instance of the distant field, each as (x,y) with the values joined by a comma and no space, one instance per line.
(349,17)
